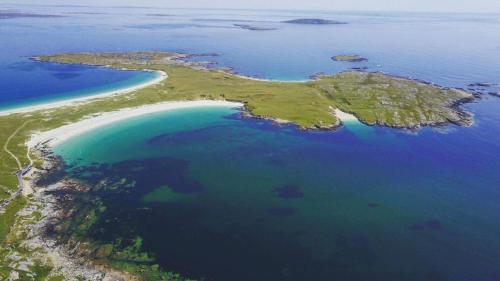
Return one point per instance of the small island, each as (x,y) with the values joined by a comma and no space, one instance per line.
(349,58)
(13,15)
(253,28)
(313,21)
(159,15)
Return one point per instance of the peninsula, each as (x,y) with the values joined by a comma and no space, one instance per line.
(374,98)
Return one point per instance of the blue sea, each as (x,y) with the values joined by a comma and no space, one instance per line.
(215,195)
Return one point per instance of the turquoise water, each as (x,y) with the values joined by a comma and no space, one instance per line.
(219,196)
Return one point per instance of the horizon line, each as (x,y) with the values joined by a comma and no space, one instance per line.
(252,9)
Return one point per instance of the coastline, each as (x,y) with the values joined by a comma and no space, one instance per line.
(75,101)
(56,136)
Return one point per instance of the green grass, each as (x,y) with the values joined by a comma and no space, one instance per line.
(56,278)
(8,218)
(41,272)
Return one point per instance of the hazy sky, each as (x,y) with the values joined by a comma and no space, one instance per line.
(364,5)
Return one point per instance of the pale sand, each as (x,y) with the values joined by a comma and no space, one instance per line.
(56,136)
(345,117)
(79,100)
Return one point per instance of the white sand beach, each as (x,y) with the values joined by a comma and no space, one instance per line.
(79,100)
(345,117)
(53,137)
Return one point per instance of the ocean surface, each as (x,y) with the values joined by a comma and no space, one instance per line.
(218,196)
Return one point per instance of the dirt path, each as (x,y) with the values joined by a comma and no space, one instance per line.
(6,144)
(19,165)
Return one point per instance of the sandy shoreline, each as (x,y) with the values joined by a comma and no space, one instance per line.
(56,136)
(75,101)
(344,116)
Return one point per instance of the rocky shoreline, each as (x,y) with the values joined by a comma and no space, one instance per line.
(67,258)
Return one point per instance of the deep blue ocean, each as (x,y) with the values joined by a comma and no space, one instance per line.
(218,196)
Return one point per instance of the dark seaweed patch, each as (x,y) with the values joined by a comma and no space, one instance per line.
(187,137)
(145,174)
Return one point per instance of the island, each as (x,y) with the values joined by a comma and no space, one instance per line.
(313,21)
(349,58)
(373,98)
(159,15)
(13,15)
(253,28)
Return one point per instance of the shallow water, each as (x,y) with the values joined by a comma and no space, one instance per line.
(217,196)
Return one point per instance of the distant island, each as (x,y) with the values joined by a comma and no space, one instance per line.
(313,21)
(13,15)
(349,58)
(159,15)
(254,28)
